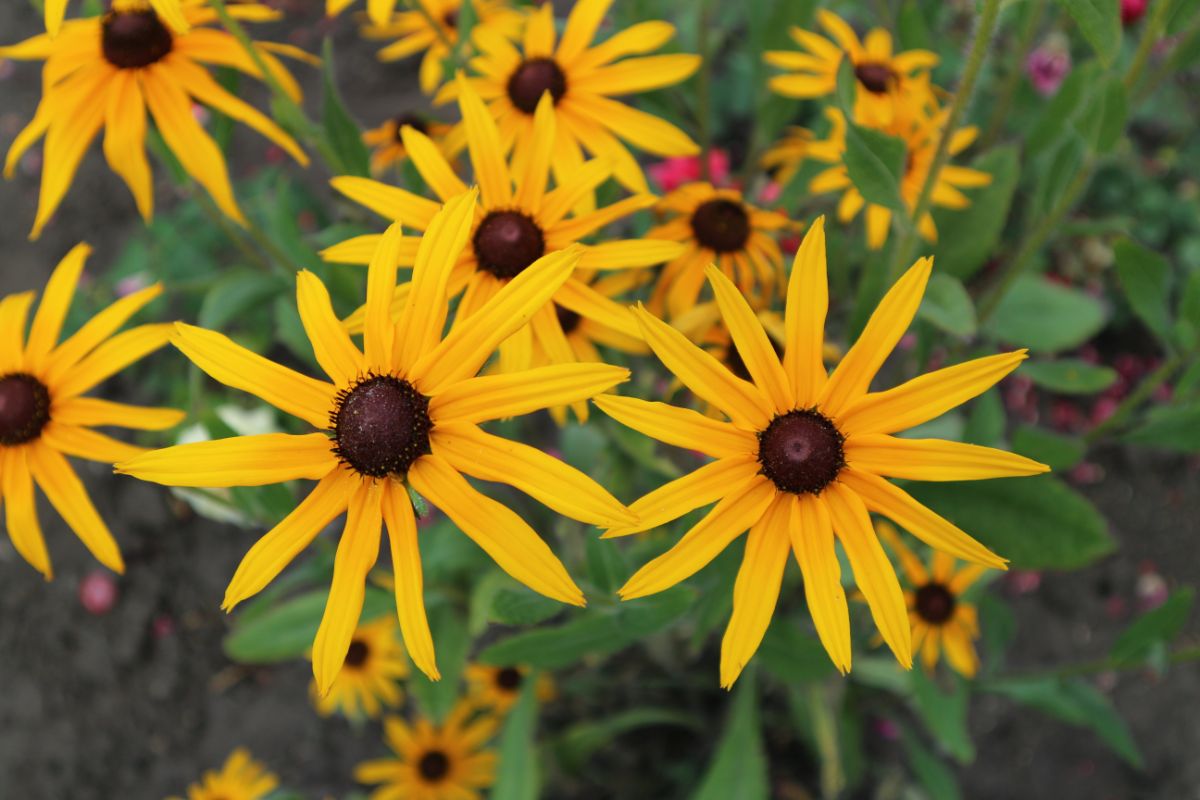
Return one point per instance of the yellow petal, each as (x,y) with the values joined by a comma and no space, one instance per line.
(60,289)
(113,356)
(700,487)
(505,537)
(853,375)
(812,543)
(14,311)
(21,510)
(501,396)
(54,11)
(295,532)
(640,38)
(914,570)
(807,305)
(66,493)
(729,519)
(125,139)
(394,205)
(428,159)
(257,460)
(577,296)
(927,396)
(356,555)
(95,331)
(644,131)
(960,652)
(639,74)
(483,141)
(378,332)
(756,590)
(894,503)
(235,366)
(934,459)
(332,347)
(704,375)
(582,22)
(531,184)
(84,443)
(751,341)
(551,482)
(632,253)
(406,566)
(873,573)
(681,427)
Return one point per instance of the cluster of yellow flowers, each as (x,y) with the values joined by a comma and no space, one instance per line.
(800,455)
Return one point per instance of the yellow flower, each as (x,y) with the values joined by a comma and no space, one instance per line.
(106,72)
(581,81)
(805,455)
(169,10)
(716,226)
(43,415)
(921,142)
(941,620)
(499,688)
(433,29)
(882,76)
(242,778)
(786,156)
(403,412)
(516,222)
(387,144)
(375,661)
(450,761)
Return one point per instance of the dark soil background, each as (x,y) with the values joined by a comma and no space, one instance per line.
(138,702)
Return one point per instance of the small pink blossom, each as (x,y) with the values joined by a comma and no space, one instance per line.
(1151,588)
(1132,11)
(98,592)
(1047,67)
(128,285)
(202,114)
(1022,581)
(674,172)
(1086,472)
(162,626)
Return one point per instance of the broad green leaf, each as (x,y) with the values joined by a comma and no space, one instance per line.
(605,565)
(583,739)
(1036,523)
(518,773)
(1045,316)
(1064,167)
(967,237)
(449,629)
(1075,702)
(875,162)
(944,714)
(1069,375)
(934,776)
(739,766)
(1170,428)
(1159,626)
(236,293)
(1100,23)
(1187,314)
(986,420)
(287,631)
(1146,279)
(1057,116)
(341,133)
(947,305)
(522,607)
(1058,451)
(793,656)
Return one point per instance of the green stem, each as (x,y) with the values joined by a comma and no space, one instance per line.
(1151,33)
(704,88)
(1185,43)
(1182,655)
(1008,90)
(984,28)
(1135,398)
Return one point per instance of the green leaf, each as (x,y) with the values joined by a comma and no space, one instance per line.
(1075,702)
(1170,428)
(518,773)
(287,631)
(1100,24)
(1060,111)
(585,738)
(1064,167)
(791,655)
(739,767)
(944,714)
(1036,523)
(522,607)
(341,132)
(437,698)
(1056,450)
(236,293)
(1146,279)
(1069,376)
(875,162)
(1044,316)
(1187,323)
(935,777)
(605,565)
(967,237)
(947,305)
(1159,626)
(986,421)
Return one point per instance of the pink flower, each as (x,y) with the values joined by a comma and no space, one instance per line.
(674,172)
(98,592)
(1047,66)
(1022,581)
(1132,11)
(129,285)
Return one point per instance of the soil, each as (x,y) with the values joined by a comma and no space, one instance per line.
(138,702)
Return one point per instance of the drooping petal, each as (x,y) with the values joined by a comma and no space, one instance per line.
(125,139)
(812,543)
(70,499)
(257,460)
(391,203)
(914,570)
(24,531)
(406,567)
(639,74)
(512,395)
(804,320)
(680,427)
(428,159)
(934,459)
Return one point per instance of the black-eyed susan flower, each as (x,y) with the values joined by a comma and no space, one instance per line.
(716,226)
(582,80)
(432,27)
(515,223)
(499,688)
(44,415)
(805,456)
(403,412)
(369,680)
(920,139)
(784,158)
(242,778)
(882,75)
(942,621)
(170,11)
(109,71)
(387,145)
(450,761)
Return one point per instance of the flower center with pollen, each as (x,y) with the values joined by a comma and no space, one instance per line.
(507,242)
(935,603)
(381,426)
(357,655)
(434,765)
(412,121)
(532,79)
(875,77)
(24,408)
(509,679)
(722,226)
(801,451)
(134,39)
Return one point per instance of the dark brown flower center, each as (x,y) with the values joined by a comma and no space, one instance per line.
(450,19)
(434,766)
(801,451)
(507,242)
(568,320)
(412,121)
(875,77)
(722,226)
(134,39)
(935,603)
(509,679)
(358,653)
(24,408)
(381,426)
(534,78)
